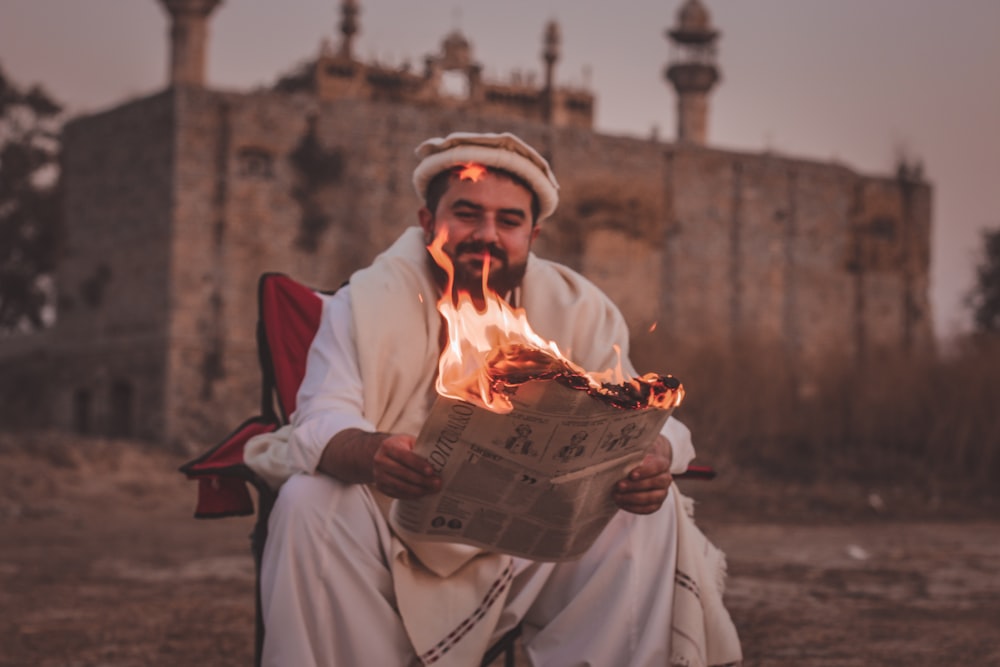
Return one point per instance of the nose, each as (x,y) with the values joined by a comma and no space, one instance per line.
(486,231)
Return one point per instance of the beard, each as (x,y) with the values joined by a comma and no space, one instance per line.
(468,260)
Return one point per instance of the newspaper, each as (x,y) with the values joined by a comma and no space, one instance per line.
(535,482)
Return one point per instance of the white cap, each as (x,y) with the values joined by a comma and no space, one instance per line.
(501,151)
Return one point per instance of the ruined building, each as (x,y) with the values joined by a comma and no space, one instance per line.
(176,202)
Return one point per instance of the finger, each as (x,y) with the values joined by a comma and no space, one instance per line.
(639,507)
(397,447)
(407,460)
(396,452)
(659,482)
(411,470)
(651,465)
(396,474)
(640,503)
(405,486)
(642,496)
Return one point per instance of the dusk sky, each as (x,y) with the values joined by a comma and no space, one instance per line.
(859,82)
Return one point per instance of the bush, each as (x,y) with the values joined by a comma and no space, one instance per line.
(930,421)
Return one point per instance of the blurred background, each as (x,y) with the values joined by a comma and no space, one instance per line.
(867,85)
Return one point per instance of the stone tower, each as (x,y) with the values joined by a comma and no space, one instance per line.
(348,27)
(692,70)
(550,55)
(188,39)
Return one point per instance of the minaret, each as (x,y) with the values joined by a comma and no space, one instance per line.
(692,70)
(550,55)
(348,27)
(188,39)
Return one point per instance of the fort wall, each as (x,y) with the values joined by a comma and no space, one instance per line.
(176,204)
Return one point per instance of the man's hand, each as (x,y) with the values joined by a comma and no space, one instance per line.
(400,473)
(385,460)
(646,487)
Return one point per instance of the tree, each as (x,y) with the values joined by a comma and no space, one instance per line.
(29,206)
(985,296)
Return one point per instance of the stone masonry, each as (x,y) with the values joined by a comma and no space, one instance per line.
(176,203)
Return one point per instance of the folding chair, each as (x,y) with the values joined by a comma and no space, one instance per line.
(288,318)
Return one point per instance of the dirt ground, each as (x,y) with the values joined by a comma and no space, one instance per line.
(102,564)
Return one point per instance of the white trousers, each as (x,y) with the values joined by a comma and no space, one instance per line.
(328,599)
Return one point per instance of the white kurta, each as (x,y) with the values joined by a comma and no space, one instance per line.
(326,580)
(328,595)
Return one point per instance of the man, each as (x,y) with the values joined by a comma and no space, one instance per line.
(339,587)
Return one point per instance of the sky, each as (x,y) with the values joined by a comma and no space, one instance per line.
(860,82)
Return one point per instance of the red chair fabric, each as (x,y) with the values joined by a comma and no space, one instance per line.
(290,315)
(223,476)
(288,318)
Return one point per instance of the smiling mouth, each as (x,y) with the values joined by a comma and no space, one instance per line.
(477,251)
(479,256)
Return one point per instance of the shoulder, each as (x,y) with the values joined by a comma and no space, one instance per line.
(561,285)
(402,266)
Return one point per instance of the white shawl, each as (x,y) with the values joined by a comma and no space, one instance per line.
(702,633)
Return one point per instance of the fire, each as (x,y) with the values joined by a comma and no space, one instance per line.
(472,172)
(492,349)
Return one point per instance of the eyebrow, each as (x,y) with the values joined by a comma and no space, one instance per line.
(459,203)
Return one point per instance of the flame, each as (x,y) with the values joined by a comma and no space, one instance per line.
(472,172)
(492,348)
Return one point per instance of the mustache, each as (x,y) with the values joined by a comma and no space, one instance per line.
(495,251)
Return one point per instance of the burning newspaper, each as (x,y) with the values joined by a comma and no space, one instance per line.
(528,445)
(537,481)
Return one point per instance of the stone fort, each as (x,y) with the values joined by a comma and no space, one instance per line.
(175,203)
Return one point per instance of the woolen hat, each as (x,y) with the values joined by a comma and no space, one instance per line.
(501,151)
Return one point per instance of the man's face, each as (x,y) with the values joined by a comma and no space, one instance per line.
(491,217)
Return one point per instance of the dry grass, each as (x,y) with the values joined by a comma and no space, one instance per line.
(932,423)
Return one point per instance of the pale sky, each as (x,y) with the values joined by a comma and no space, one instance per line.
(856,81)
